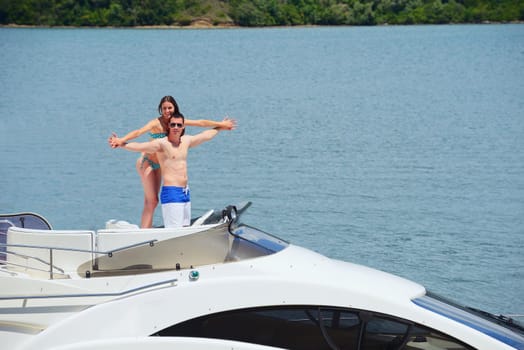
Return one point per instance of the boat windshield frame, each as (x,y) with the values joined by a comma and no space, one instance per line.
(502,328)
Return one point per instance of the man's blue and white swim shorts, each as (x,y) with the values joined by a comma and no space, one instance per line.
(176,206)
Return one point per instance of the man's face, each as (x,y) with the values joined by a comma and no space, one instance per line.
(176,125)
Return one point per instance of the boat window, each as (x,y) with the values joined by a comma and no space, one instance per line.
(314,327)
(424,338)
(381,333)
(291,328)
(342,328)
(390,333)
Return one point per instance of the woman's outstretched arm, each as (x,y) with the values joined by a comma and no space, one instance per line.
(227,123)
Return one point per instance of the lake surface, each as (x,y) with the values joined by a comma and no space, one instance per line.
(401,148)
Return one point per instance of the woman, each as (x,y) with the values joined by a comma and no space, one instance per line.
(147,165)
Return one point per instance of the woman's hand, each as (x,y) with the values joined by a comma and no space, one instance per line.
(114,141)
(228,123)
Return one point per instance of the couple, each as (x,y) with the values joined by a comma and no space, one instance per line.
(165,158)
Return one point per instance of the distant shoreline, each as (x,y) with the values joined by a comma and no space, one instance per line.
(191,26)
(207,25)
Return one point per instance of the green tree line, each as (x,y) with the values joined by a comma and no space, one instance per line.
(250,13)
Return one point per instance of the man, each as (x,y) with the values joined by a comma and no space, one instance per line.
(172,155)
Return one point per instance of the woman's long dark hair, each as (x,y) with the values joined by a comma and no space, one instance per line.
(171,100)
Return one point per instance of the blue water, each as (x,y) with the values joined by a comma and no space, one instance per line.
(401,148)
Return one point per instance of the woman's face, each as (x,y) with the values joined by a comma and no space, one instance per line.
(167,109)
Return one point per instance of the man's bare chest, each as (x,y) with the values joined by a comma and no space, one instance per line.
(175,152)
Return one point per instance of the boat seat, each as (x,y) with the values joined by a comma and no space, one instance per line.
(114,238)
(182,246)
(31,249)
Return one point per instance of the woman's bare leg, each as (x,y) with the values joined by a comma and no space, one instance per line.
(151,180)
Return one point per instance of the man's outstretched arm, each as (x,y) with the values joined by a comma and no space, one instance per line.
(149,147)
(205,136)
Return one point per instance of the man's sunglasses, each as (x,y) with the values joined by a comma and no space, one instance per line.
(176,125)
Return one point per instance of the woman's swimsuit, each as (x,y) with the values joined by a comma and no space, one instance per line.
(152,164)
(157,135)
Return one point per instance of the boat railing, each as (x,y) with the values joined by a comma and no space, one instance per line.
(88,295)
(52,249)
(28,257)
(4,226)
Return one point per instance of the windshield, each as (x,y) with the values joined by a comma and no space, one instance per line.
(259,239)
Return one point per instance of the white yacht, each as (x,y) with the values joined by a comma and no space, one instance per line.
(217,284)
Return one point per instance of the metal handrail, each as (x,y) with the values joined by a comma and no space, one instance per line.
(109,253)
(84,295)
(7,264)
(23,256)
(7,271)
